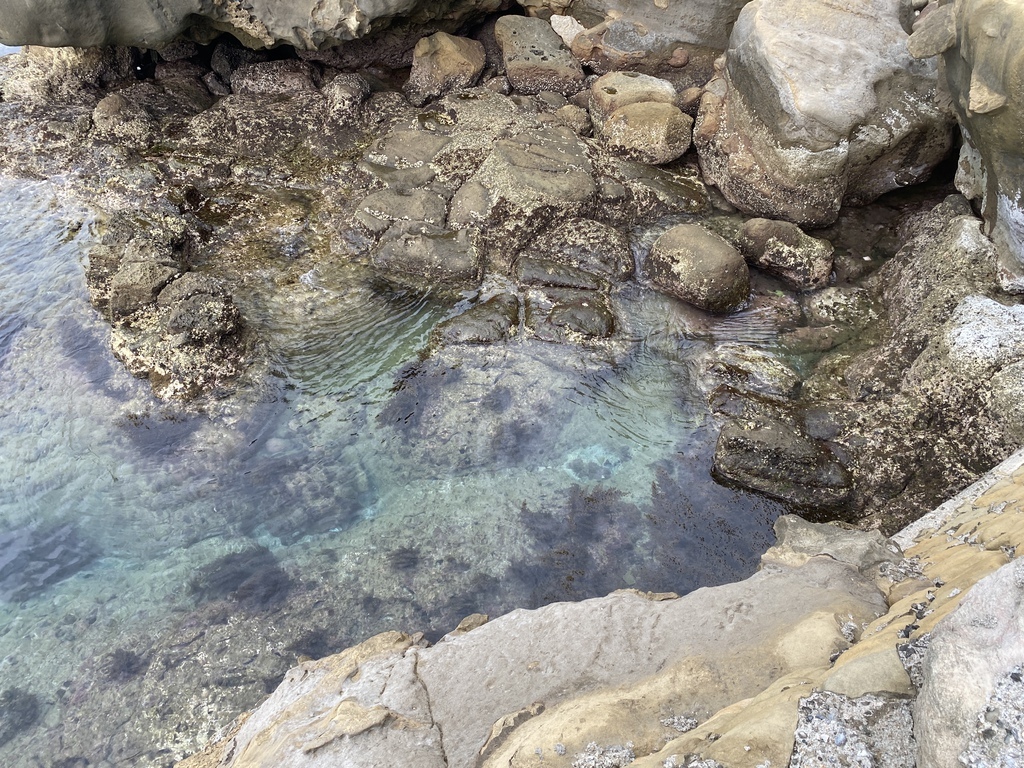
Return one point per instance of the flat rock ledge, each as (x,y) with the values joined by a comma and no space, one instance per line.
(841,646)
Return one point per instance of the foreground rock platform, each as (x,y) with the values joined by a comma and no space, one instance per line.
(840,647)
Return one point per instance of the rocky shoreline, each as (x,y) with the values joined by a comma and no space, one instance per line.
(535,169)
(841,650)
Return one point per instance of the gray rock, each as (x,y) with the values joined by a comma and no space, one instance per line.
(442,63)
(819,104)
(494,319)
(379,210)
(345,94)
(535,59)
(274,78)
(782,249)
(649,132)
(968,676)
(136,285)
(797,538)
(567,314)
(588,245)
(615,90)
(699,268)
(526,183)
(702,22)
(428,251)
(774,457)
(750,370)
(304,24)
(200,307)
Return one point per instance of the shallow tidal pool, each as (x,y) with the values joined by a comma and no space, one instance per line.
(160,570)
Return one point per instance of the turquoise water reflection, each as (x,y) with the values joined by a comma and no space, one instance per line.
(186,561)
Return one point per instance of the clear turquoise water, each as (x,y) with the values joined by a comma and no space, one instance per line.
(145,551)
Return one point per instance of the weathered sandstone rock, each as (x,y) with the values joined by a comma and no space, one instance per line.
(819,104)
(438,705)
(649,132)
(535,59)
(979,43)
(442,63)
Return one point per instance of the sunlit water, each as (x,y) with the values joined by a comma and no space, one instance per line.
(186,562)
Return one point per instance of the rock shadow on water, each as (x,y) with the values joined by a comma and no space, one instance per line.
(683,537)
(19,711)
(37,556)
(253,578)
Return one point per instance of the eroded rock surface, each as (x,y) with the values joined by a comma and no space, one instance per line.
(816,106)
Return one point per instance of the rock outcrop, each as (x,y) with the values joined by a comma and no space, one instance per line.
(982,63)
(817,105)
(306,24)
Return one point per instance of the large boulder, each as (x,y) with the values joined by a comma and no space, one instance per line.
(819,104)
(653,27)
(971,702)
(699,267)
(979,40)
(305,24)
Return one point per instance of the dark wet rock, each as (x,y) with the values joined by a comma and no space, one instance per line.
(19,711)
(289,77)
(587,245)
(649,132)
(200,307)
(428,251)
(252,577)
(345,95)
(180,330)
(565,314)
(443,63)
(527,182)
(700,268)
(793,127)
(775,457)
(654,191)
(136,286)
(782,249)
(37,556)
(379,210)
(494,319)
(847,307)
(535,58)
(118,118)
(547,273)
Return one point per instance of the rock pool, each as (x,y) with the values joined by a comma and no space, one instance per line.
(161,569)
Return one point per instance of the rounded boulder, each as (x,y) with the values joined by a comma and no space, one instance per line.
(700,268)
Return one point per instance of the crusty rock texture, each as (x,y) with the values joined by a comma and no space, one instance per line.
(306,24)
(819,104)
